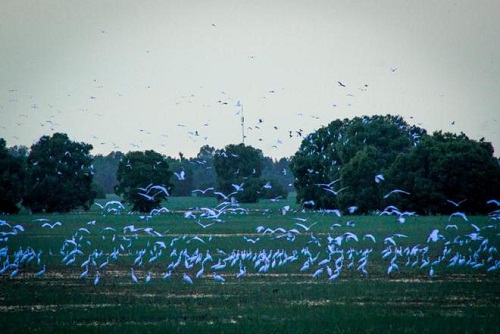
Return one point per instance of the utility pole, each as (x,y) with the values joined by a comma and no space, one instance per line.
(242,126)
(238,104)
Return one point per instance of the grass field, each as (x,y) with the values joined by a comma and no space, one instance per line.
(330,279)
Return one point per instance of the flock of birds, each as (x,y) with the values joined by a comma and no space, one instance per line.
(300,246)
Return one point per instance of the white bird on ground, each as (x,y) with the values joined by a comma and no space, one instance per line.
(317,273)
(218,278)
(132,275)
(167,275)
(187,279)
(243,271)
(96,279)
(41,272)
(85,273)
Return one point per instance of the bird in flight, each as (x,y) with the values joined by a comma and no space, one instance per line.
(180,175)
(493,201)
(457,204)
(204,226)
(203,191)
(333,191)
(396,191)
(341,84)
(51,226)
(379,178)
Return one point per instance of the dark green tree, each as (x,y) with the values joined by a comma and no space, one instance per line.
(148,170)
(278,171)
(11,179)
(273,189)
(444,167)
(182,182)
(239,165)
(324,153)
(359,177)
(204,175)
(19,151)
(105,168)
(58,175)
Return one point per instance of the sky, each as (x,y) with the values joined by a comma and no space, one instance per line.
(168,75)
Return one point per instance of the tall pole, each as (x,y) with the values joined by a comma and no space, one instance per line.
(242,126)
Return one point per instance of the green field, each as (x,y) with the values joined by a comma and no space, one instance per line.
(446,285)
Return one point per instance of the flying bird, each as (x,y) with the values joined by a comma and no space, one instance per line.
(458,214)
(493,201)
(51,226)
(396,191)
(180,176)
(457,204)
(203,191)
(306,228)
(204,226)
(333,191)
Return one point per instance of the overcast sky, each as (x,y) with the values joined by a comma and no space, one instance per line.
(166,75)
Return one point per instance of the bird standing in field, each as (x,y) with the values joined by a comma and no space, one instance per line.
(41,272)
(96,279)
(132,275)
(187,279)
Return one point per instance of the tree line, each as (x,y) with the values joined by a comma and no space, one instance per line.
(59,175)
(363,164)
(366,163)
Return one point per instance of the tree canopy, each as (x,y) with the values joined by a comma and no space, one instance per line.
(349,145)
(143,179)
(239,166)
(12,175)
(446,168)
(105,170)
(58,175)
(359,162)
